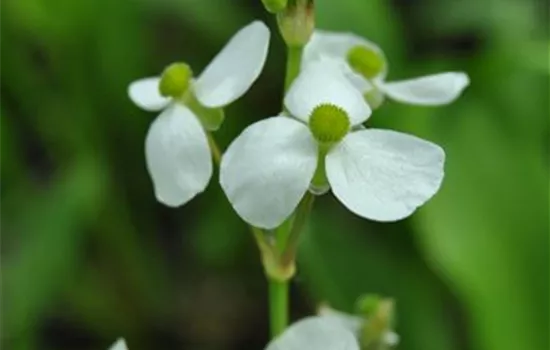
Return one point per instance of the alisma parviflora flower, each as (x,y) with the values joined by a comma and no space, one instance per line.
(176,147)
(377,174)
(365,65)
(310,333)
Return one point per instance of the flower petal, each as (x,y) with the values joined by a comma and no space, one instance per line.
(320,83)
(350,322)
(315,333)
(267,169)
(145,94)
(119,345)
(391,338)
(437,89)
(336,45)
(384,175)
(178,156)
(235,68)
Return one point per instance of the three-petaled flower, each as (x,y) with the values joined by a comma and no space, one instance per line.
(176,147)
(377,174)
(366,67)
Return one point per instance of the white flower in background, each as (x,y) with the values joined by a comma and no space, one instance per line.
(119,345)
(315,333)
(365,65)
(176,147)
(377,174)
(356,325)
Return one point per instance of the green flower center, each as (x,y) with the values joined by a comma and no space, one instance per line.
(329,123)
(365,61)
(175,80)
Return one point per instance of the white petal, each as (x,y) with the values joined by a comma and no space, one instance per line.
(437,89)
(320,83)
(267,169)
(178,156)
(350,322)
(336,46)
(315,333)
(145,94)
(391,338)
(119,345)
(235,68)
(384,175)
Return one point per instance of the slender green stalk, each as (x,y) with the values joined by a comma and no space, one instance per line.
(293,61)
(278,306)
(214,149)
(300,219)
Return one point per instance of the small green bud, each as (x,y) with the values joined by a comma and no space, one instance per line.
(365,61)
(368,304)
(379,314)
(374,98)
(274,6)
(175,80)
(297,22)
(329,123)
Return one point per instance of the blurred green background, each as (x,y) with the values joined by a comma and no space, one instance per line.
(88,255)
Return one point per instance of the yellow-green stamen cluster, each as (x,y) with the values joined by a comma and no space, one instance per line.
(329,123)
(175,80)
(365,61)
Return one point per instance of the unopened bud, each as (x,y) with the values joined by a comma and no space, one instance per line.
(274,6)
(297,22)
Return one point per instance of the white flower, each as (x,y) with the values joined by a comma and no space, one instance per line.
(176,147)
(119,345)
(377,174)
(437,89)
(315,333)
(355,324)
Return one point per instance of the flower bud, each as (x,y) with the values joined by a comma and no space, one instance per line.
(379,317)
(368,304)
(175,80)
(365,61)
(297,22)
(274,6)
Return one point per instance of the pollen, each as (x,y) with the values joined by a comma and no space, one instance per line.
(175,80)
(329,123)
(365,61)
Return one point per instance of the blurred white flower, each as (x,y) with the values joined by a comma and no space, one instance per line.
(377,174)
(176,147)
(315,333)
(365,65)
(119,345)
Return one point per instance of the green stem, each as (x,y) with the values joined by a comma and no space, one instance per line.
(300,219)
(214,148)
(278,306)
(293,62)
